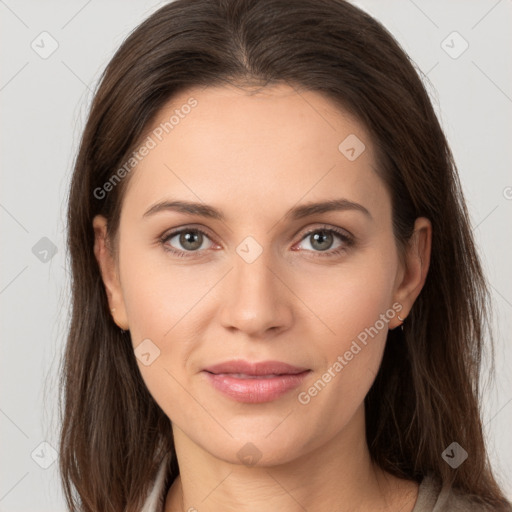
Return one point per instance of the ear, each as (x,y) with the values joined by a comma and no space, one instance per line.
(109,272)
(411,278)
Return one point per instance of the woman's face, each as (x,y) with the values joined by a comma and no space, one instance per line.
(258,273)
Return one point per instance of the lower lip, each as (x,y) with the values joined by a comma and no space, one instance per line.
(255,390)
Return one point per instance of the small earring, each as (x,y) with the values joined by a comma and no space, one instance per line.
(402,320)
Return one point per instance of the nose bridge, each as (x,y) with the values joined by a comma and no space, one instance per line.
(255,300)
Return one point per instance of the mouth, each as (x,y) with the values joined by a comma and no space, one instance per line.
(257,382)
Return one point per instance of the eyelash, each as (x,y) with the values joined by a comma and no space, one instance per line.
(347,240)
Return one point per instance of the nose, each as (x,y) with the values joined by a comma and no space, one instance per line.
(255,300)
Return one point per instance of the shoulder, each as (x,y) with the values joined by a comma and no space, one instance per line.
(434,497)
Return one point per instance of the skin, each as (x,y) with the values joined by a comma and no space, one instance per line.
(254,155)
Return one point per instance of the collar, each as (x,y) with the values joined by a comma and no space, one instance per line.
(156,497)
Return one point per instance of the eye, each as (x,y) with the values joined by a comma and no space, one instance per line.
(326,240)
(187,240)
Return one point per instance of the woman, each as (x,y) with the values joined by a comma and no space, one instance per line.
(277,301)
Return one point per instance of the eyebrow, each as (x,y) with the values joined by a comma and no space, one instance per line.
(298,212)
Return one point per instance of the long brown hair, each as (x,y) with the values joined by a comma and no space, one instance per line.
(426,395)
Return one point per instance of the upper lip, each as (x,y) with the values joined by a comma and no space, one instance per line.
(255,368)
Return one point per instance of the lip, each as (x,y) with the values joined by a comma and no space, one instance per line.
(256,368)
(255,382)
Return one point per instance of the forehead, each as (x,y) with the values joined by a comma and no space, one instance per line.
(247,148)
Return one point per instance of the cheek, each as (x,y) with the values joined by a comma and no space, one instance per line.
(159,295)
(165,308)
(350,298)
(159,305)
(355,304)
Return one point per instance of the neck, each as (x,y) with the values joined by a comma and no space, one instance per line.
(336,476)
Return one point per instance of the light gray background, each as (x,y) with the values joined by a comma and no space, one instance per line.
(44,103)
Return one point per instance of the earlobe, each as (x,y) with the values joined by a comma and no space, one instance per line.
(416,265)
(109,273)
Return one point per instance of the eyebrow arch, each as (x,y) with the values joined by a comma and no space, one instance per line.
(298,212)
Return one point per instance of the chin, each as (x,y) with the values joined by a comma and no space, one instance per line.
(263,447)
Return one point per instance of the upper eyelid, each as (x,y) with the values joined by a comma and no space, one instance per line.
(336,230)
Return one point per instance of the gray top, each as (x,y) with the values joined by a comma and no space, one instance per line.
(431,497)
